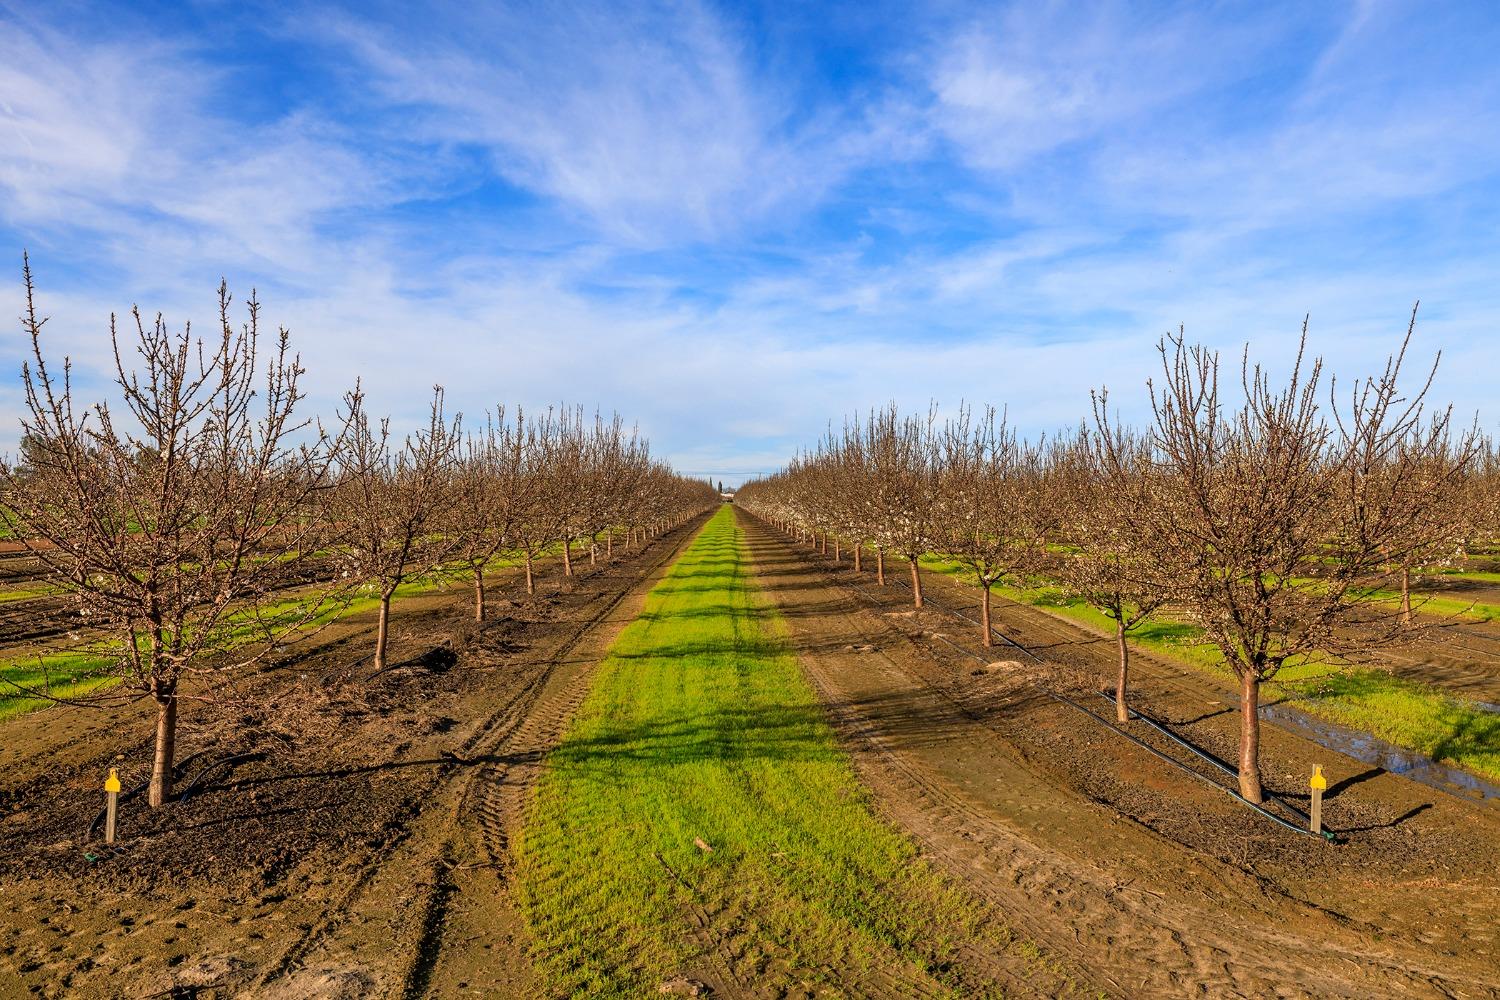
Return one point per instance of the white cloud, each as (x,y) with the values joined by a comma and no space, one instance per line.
(1032,78)
(1112,202)
(650,120)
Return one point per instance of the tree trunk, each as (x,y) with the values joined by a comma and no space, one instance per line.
(382,631)
(593,552)
(567,557)
(825,543)
(1250,736)
(609,544)
(838,554)
(857,547)
(530,584)
(1406,594)
(916,584)
(479,592)
(1122,711)
(880,566)
(984,614)
(166,748)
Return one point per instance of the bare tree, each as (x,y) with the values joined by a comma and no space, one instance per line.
(172,519)
(995,505)
(390,502)
(1439,533)
(1109,561)
(550,490)
(902,487)
(492,497)
(1275,526)
(567,472)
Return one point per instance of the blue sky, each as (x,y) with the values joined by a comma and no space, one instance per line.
(736,222)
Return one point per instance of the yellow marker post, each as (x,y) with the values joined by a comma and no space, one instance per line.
(112,792)
(1318,783)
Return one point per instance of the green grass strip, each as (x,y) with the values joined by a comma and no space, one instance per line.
(700,725)
(72,673)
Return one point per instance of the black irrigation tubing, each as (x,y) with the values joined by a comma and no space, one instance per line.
(1325,835)
(1303,831)
(208,769)
(1206,756)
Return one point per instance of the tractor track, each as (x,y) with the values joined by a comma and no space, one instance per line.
(502,733)
(1110,926)
(495,797)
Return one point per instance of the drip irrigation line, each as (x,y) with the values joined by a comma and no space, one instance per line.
(1201,753)
(1326,835)
(210,768)
(1302,831)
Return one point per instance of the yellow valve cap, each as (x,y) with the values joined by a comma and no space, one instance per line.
(1318,781)
(112,783)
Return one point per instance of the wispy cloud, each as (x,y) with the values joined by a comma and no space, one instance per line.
(650,120)
(736,233)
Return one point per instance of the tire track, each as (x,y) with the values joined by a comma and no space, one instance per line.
(493,796)
(1097,923)
(491,738)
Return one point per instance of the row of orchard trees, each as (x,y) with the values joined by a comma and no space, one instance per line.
(1273,518)
(200,521)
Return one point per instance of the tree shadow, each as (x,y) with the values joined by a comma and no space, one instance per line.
(1351,781)
(1226,710)
(743,734)
(1389,824)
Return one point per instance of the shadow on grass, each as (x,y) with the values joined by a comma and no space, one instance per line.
(758,733)
(763,733)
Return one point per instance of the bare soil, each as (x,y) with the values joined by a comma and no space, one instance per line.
(357,843)
(343,832)
(1133,877)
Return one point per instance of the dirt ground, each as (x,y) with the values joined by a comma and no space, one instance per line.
(354,835)
(1133,876)
(358,845)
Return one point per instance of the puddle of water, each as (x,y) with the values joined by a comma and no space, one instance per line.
(1374,750)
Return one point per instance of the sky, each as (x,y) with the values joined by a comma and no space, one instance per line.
(734,223)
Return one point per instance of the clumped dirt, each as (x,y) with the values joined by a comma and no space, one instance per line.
(317,784)
(1127,873)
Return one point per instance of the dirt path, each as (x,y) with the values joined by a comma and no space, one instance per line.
(1135,912)
(326,869)
(1464,658)
(472,938)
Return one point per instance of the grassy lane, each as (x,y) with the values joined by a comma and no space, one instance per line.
(701,727)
